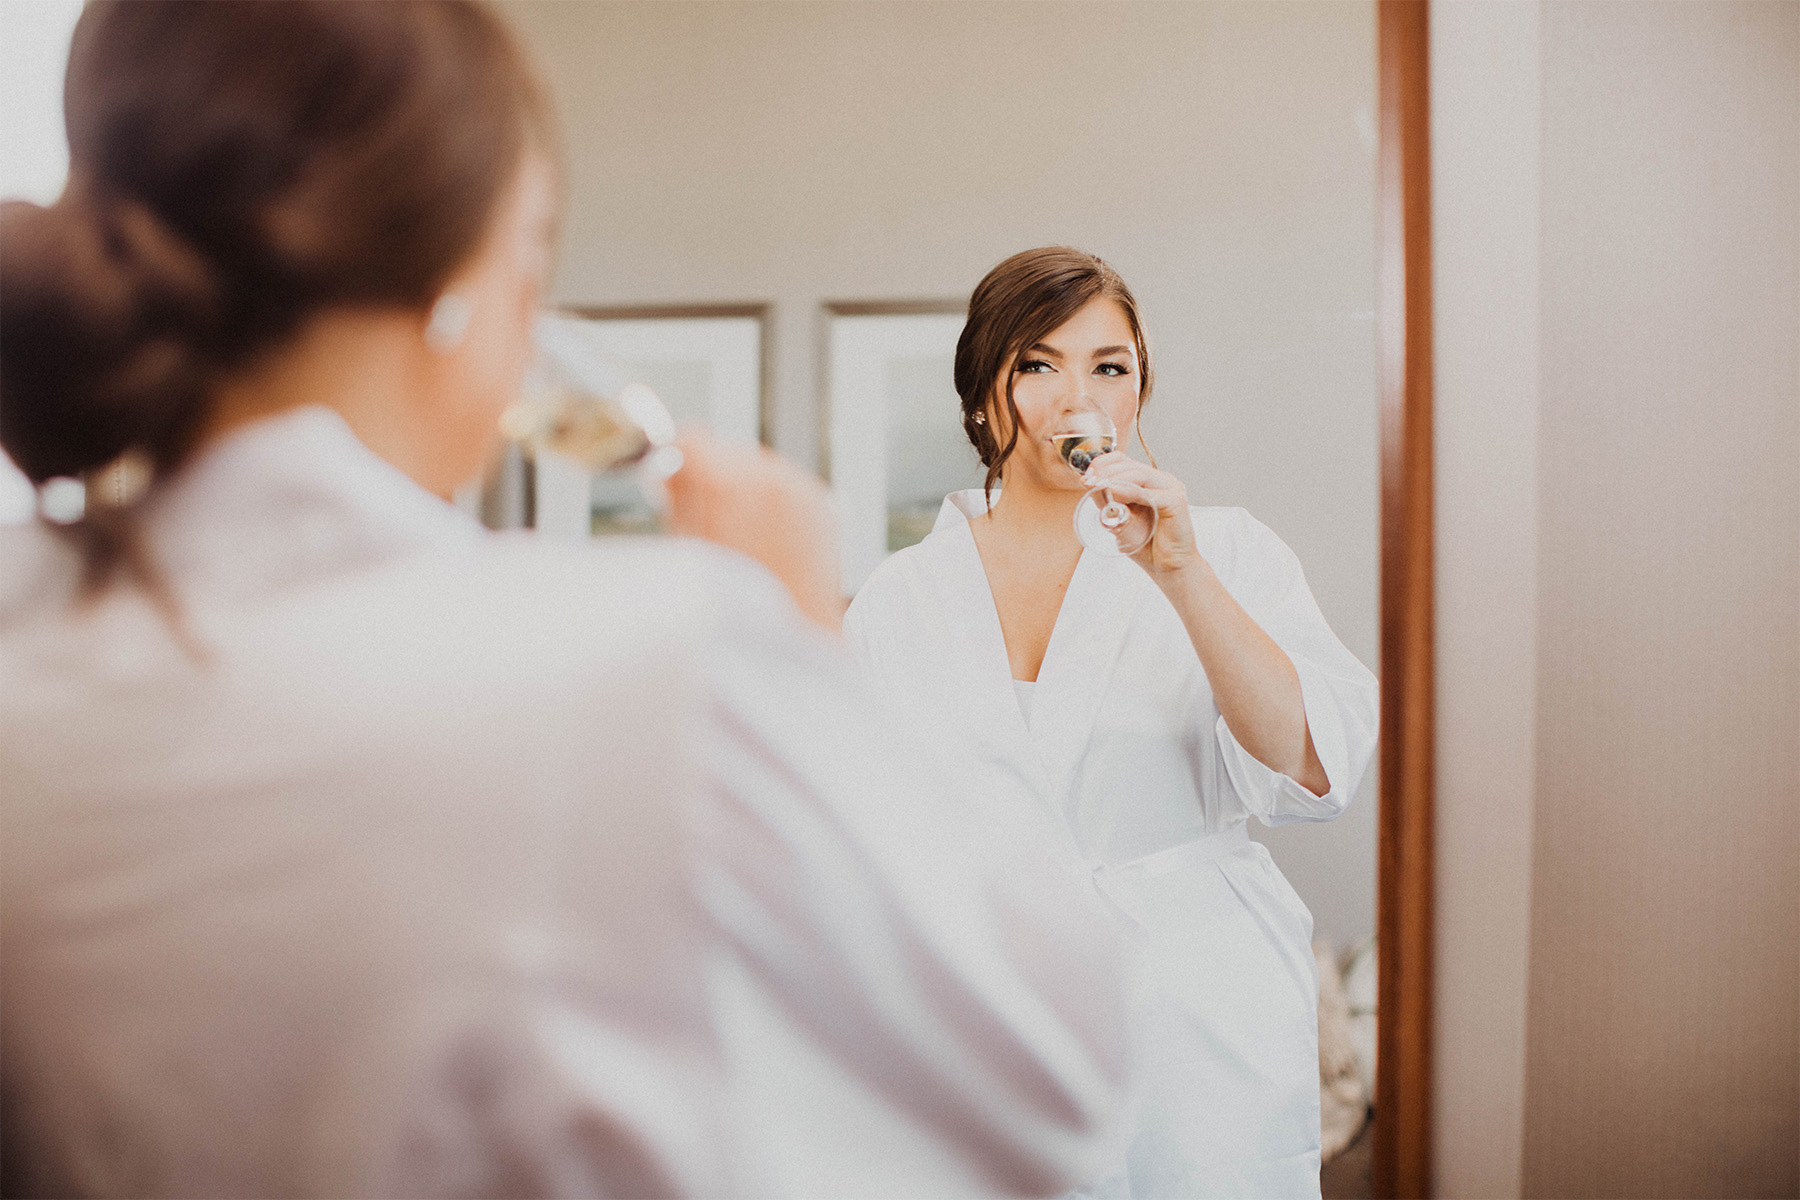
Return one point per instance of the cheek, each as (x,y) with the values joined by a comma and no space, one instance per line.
(500,339)
(501,350)
(1036,401)
(1123,407)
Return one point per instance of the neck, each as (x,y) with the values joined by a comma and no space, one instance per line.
(365,366)
(1029,511)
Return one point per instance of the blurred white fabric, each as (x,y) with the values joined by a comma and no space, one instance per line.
(489,864)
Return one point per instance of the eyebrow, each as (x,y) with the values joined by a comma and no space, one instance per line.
(1053,352)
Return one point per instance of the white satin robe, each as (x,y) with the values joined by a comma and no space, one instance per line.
(1126,754)
(493,865)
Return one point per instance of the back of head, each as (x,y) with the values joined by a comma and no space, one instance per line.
(235,167)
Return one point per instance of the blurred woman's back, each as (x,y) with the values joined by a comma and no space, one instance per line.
(350,849)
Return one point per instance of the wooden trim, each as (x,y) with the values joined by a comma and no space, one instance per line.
(1402,1146)
(926,306)
(762,313)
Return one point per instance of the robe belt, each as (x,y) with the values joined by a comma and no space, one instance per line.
(1180,857)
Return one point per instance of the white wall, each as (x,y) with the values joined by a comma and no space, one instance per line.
(1219,154)
(34,47)
(34,152)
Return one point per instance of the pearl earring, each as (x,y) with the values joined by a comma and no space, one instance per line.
(449,322)
(980,418)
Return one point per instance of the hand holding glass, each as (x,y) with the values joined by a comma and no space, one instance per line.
(1103,524)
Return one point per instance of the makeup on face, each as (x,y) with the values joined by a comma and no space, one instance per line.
(1089,362)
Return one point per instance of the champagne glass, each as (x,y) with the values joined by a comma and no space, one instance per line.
(580,406)
(1103,524)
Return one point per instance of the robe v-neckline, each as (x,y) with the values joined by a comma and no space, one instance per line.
(1079,659)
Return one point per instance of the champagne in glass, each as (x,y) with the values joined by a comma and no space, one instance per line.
(1103,524)
(585,443)
(1081,449)
(579,405)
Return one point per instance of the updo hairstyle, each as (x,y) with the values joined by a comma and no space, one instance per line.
(1018,304)
(236,167)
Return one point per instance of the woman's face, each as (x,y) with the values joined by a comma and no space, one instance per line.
(504,283)
(1089,361)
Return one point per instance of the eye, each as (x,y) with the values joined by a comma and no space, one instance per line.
(1033,366)
(1110,368)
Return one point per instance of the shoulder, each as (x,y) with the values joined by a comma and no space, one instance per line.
(1238,546)
(627,588)
(681,577)
(1228,527)
(907,600)
(513,617)
(1229,524)
(902,573)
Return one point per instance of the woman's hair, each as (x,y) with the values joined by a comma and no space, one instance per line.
(1018,304)
(236,167)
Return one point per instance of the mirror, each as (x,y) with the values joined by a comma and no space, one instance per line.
(851,170)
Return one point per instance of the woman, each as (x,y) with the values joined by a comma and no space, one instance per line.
(1149,705)
(351,850)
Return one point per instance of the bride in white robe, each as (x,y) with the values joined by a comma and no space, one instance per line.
(351,849)
(1118,733)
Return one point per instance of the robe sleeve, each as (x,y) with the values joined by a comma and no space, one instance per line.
(890,945)
(1340,694)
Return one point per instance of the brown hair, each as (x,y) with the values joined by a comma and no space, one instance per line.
(1016,305)
(234,168)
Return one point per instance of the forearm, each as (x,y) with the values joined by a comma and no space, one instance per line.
(1253,682)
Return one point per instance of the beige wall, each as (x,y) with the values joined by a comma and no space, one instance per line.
(1485,155)
(1650,462)
(1220,154)
(1661,1043)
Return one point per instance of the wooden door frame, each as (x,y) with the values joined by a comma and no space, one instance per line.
(1402,1146)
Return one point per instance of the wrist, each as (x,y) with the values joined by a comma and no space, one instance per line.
(1188,576)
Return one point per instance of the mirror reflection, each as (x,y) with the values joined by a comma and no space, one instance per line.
(860,168)
(1027,347)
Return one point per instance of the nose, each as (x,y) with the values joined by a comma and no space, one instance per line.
(1079,398)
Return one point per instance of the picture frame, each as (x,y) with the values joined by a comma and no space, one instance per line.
(891,425)
(667,341)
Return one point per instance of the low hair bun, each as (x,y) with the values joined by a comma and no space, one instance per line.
(105,319)
(237,169)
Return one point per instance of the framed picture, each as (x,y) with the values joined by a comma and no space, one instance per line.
(709,364)
(893,434)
